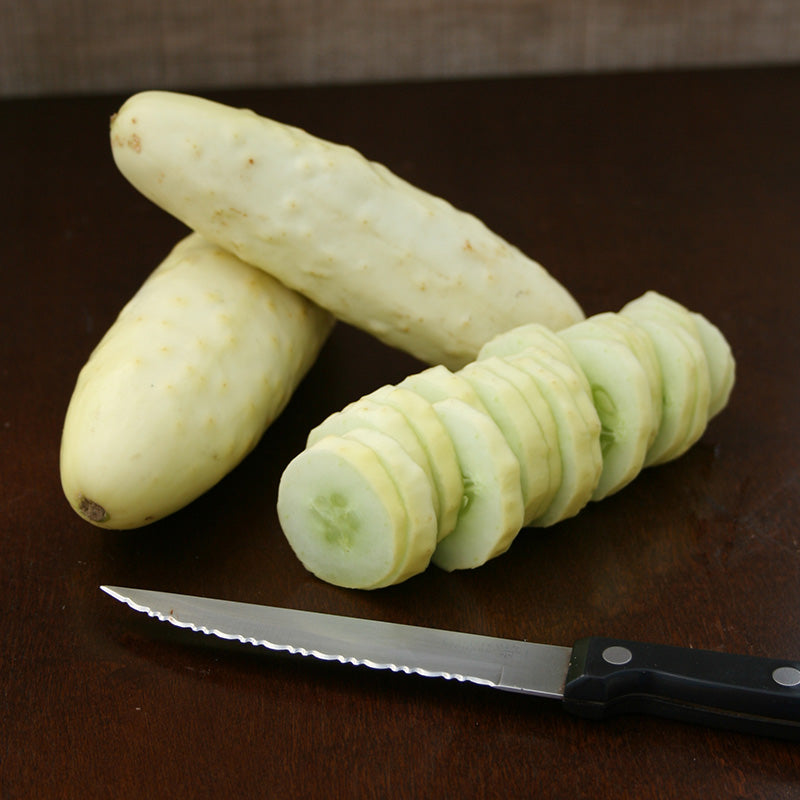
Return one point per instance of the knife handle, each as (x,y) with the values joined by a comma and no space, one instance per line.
(744,693)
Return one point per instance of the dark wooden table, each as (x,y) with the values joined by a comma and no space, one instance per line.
(687,183)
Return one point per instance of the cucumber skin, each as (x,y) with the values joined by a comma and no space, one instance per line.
(183,385)
(378,252)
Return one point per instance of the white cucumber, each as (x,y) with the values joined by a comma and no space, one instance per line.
(438,448)
(578,385)
(679,391)
(621,395)
(523,337)
(579,444)
(492,511)
(415,493)
(509,409)
(550,460)
(721,364)
(439,383)
(378,252)
(369,413)
(183,384)
(342,514)
(656,308)
(622,329)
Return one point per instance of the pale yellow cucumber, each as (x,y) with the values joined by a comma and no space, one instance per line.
(342,514)
(523,337)
(415,493)
(679,391)
(721,364)
(439,383)
(621,395)
(509,409)
(438,447)
(579,444)
(378,252)
(622,329)
(653,307)
(368,413)
(549,462)
(493,509)
(182,386)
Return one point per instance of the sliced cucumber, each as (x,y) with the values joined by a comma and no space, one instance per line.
(628,332)
(721,364)
(679,391)
(439,383)
(492,512)
(437,446)
(578,385)
(551,456)
(366,413)
(621,395)
(416,495)
(508,408)
(519,339)
(342,514)
(579,446)
(655,308)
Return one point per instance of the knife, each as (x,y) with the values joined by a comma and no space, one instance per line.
(596,678)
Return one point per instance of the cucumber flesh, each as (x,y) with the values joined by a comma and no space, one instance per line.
(721,365)
(656,308)
(342,514)
(535,335)
(508,408)
(438,448)
(366,413)
(439,383)
(550,458)
(621,395)
(492,512)
(579,388)
(611,324)
(416,495)
(579,446)
(679,391)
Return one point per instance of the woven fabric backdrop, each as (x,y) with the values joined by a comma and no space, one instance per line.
(73,46)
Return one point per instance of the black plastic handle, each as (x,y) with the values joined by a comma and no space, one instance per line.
(744,693)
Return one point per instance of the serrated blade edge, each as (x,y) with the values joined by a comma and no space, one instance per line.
(507,664)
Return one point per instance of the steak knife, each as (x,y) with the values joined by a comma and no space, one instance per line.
(596,678)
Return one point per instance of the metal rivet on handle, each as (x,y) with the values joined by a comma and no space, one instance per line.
(786,676)
(617,655)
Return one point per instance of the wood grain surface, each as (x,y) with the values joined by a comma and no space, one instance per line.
(686,182)
(62,46)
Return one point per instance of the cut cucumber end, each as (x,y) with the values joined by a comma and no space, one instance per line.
(342,514)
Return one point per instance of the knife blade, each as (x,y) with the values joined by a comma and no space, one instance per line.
(596,678)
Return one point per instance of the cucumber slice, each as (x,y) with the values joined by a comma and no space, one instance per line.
(492,511)
(579,387)
(721,364)
(621,395)
(628,332)
(416,495)
(519,339)
(655,308)
(508,408)
(679,391)
(437,446)
(439,383)
(579,446)
(550,458)
(342,514)
(366,413)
